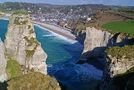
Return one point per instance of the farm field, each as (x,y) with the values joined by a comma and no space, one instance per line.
(120,26)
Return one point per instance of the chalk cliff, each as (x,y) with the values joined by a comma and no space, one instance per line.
(21,44)
(3,63)
(95,42)
(119,70)
(120,59)
(95,38)
(120,66)
(22,58)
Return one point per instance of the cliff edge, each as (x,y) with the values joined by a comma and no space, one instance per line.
(21,44)
(3,63)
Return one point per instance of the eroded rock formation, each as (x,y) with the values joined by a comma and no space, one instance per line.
(21,44)
(95,45)
(95,42)
(95,38)
(119,66)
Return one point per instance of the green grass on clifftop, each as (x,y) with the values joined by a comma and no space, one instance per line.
(120,26)
(13,69)
(120,52)
(33,81)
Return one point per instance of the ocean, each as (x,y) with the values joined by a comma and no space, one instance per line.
(3,28)
(63,55)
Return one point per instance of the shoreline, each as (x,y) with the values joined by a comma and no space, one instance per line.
(57,30)
(3,18)
(57,35)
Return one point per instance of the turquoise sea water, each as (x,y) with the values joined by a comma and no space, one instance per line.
(3,29)
(62,62)
(58,49)
(62,58)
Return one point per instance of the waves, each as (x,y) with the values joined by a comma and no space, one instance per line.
(48,35)
(57,35)
(57,48)
(63,54)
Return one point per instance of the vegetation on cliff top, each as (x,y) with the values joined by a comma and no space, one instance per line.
(31,41)
(13,69)
(29,53)
(121,52)
(124,81)
(19,17)
(18,21)
(17,80)
(33,81)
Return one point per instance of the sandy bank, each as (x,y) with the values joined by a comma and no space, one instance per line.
(57,30)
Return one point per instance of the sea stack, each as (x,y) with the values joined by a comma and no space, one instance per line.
(21,44)
(95,42)
(95,38)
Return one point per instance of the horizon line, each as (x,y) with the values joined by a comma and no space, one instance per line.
(70,4)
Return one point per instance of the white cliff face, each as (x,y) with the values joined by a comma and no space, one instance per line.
(95,38)
(39,55)
(120,66)
(3,63)
(21,44)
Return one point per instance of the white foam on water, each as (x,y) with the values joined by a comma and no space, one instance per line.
(58,35)
(4,18)
(48,35)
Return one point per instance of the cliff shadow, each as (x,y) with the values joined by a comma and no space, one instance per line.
(81,37)
(3,86)
(96,57)
(98,54)
(124,81)
(125,41)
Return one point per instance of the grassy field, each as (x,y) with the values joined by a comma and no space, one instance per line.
(120,26)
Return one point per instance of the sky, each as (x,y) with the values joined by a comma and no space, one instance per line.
(71,2)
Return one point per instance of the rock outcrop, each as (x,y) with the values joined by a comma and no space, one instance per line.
(3,63)
(95,41)
(95,46)
(120,66)
(21,44)
(120,62)
(95,38)
(120,59)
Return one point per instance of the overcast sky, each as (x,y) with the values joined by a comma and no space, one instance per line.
(109,2)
